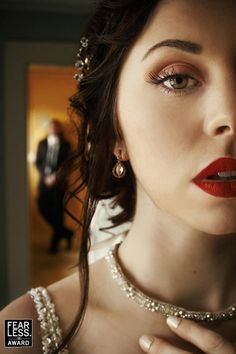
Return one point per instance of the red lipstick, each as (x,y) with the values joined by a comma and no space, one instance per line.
(218,178)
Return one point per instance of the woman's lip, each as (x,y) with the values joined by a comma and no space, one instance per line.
(222,164)
(217,188)
(223,189)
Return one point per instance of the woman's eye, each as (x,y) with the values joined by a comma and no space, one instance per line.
(179,81)
(174,82)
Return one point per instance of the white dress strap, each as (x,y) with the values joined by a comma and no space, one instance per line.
(51,332)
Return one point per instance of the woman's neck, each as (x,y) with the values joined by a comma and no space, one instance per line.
(175,263)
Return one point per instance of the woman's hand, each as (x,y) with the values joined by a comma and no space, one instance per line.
(208,341)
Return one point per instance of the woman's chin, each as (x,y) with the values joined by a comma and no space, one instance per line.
(213,220)
(220,227)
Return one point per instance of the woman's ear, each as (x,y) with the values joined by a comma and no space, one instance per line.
(120,151)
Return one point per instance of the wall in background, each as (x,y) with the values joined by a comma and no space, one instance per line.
(27,35)
(49,88)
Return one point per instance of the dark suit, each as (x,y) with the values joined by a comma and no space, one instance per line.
(50,198)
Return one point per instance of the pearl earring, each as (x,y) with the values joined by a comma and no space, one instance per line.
(119,169)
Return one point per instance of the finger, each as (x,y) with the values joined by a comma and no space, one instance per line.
(153,345)
(205,339)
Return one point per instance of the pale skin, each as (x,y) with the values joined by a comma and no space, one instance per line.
(181,246)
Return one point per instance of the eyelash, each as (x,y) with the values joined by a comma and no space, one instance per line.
(159,80)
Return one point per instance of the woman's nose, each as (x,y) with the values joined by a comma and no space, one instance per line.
(221,126)
(220,117)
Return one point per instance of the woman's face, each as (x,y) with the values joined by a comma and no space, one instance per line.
(177,107)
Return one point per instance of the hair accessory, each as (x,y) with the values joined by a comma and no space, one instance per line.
(119,169)
(83,62)
(155,305)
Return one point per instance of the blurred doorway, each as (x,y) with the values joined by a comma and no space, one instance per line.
(49,88)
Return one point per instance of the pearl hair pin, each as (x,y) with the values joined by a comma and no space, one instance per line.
(84,59)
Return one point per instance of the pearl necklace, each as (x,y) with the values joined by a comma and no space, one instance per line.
(154,305)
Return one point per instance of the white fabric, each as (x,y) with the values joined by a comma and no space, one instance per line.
(53,140)
(102,240)
(52,153)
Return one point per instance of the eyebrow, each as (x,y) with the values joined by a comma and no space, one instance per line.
(186,46)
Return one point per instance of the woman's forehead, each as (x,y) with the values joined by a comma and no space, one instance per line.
(209,22)
(196,18)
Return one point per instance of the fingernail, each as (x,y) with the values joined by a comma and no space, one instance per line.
(173,321)
(146,342)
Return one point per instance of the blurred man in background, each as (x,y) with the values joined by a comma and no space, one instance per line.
(52,151)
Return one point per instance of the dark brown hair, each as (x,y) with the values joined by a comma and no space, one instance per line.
(111,33)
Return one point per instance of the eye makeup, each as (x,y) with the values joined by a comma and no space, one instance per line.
(175,81)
